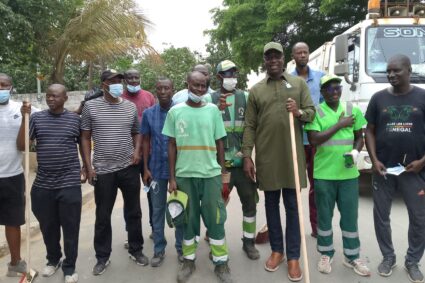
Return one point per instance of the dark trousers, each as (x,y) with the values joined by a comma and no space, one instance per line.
(292,232)
(105,193)
(55,209)
(149,200)
(310,151)
(411,186)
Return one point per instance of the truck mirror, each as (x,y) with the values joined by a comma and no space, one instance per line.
(341,69)
(341,48)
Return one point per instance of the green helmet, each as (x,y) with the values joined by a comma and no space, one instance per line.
(176,209)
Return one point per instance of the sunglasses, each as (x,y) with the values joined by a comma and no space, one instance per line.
(332,89)
(228,74)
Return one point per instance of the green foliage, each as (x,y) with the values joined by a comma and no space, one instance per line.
(173,63)
(246,25)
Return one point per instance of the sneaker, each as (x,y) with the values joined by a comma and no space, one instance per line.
(358,266)
(100,267)
(385,268)
(139,258)
(157,259)
(324,264)
(50,269)
(16,270)
(126,245)
(188,267)
(223,273)
(413,272)
(249,248)
(71,278)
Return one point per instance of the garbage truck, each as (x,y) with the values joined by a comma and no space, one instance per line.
(359,54)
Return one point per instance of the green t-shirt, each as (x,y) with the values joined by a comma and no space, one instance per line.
(195,131)
(329,158)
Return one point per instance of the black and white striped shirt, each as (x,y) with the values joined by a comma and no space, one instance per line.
(112,126)
(57,136)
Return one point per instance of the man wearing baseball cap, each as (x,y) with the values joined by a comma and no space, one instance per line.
(267,128)
(232,103)
(337,133)
(113,124)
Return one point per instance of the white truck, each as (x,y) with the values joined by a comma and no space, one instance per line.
(359,55)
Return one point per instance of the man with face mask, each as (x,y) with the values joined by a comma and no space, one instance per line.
(182,95)
(113,124)
(232,102)
(196,159)
(12,183)
(143,99)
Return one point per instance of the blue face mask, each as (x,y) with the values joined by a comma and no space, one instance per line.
(4,95)
(194,97)
(116,90)
(133,89)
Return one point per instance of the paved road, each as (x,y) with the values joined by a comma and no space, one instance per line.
(122,269)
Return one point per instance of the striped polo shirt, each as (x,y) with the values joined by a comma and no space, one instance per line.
(112,126)
(57,136)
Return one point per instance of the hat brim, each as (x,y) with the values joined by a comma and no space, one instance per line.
(121,76)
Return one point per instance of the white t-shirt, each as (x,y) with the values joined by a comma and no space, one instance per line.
(10,156)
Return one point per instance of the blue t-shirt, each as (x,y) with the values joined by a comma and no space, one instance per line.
(57,136)
(152,123)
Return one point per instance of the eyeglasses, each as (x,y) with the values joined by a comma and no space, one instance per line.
(332,89)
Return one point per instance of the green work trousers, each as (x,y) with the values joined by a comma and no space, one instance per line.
(345,193)
(248,195)
(204,200)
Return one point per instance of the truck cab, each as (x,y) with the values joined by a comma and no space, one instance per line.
(360,54)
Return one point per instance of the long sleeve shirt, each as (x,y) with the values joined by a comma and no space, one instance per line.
(267,128)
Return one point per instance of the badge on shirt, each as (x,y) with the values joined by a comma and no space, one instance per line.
(288,85)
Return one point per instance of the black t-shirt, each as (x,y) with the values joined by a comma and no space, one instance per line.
(399,126)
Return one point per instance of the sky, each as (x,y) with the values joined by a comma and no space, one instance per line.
(180,23)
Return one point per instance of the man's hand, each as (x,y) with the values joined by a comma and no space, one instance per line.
(291,106)
(248,168)
(415,166)
(91,176)
(147,177)
(379,168)
(345,122)
(222,104)
(135,159)
(83,175)
(172,186)
(25,108)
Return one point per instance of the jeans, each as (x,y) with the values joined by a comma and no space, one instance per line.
(159,202)
(56,209)
(105,193)
(149,200)
(293,238)
(411,186)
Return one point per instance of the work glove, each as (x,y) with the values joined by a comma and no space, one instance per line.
(225,192)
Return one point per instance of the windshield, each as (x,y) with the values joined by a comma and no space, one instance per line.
(384,42)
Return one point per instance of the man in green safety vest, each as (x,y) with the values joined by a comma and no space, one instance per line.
(232,102)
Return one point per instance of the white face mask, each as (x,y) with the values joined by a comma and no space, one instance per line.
(194,97)
(229,83)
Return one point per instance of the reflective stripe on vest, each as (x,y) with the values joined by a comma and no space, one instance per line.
(348,109)
(337,142)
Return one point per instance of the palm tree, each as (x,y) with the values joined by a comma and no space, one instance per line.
(101,31)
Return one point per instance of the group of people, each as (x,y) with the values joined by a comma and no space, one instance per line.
(198,144)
